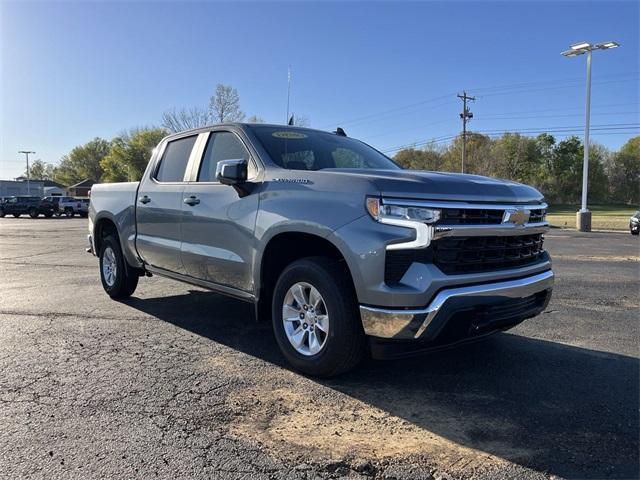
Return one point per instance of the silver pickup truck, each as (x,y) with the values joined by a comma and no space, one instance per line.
(341,249)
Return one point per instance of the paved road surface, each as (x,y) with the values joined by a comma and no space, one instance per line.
(179,382)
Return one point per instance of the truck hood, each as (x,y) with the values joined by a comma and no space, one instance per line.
(418,184)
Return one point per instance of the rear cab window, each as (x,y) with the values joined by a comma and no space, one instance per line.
(175,159)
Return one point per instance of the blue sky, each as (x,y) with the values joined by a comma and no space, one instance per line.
(386,72)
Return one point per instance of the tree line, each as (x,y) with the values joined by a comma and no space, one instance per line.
(555,168)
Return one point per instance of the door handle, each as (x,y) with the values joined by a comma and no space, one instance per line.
(192,200)
(145,199)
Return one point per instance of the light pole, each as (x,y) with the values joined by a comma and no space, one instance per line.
(27,155)
(583,217)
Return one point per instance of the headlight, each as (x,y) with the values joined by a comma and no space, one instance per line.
(417,218)
(379,211)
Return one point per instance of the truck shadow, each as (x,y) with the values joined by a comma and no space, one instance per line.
(564,410)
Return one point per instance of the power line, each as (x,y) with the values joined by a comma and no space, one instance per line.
(559,130)
(554,85)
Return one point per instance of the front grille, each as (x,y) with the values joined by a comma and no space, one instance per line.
(481,254)
(482,216)
(470,216)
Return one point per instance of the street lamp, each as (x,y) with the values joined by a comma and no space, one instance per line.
(27,155)
(583,217)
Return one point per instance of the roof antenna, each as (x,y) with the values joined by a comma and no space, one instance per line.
(290,122)
(339,131)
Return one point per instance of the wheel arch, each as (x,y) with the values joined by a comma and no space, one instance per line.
(281,250)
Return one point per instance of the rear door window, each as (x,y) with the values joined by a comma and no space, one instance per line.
(174,160)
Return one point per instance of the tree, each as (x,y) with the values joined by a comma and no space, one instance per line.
(515,157)
(224,105)
(39,170)
(129,154)
(83,162)
(301,120)
(427,158)
(185,119)
(623,171)
(255,119)
(478,155)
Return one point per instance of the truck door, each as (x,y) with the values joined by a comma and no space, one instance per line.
(217,223)
(159,206)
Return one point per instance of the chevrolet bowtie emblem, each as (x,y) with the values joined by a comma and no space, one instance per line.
(518,216)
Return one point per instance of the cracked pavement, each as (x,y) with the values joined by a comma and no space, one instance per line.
(177,382)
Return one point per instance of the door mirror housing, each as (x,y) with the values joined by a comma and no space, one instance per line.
(232,172)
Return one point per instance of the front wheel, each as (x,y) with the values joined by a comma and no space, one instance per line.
(68,212)
(315,317)
(33,212)
(2,214)
(118,279)
(16,215)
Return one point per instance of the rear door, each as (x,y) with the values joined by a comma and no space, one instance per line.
(217,221)
(159,205)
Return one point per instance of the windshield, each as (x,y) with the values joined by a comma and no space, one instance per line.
(300,149)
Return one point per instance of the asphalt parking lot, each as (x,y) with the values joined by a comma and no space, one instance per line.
(180,382)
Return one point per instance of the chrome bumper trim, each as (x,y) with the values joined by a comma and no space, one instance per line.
(502,229)
(395,323)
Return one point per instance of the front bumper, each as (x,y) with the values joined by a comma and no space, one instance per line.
(510,300)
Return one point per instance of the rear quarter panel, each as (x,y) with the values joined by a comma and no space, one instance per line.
(116,202)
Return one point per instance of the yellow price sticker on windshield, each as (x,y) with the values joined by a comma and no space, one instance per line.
(289,135)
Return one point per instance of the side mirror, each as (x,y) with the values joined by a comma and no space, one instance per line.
(232,172)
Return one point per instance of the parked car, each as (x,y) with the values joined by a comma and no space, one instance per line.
(68,206)
(336,245)
(20,205)
(634,223)
(83,207)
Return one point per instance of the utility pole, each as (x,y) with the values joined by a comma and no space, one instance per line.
(27,155)
(466,115)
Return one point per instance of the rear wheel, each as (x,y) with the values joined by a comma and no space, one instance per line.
(48,214)
(119,280)
(33,212)
(16,215)
(68,212)
(2,214)
(315,317)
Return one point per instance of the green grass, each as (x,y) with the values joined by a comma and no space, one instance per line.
(603,217)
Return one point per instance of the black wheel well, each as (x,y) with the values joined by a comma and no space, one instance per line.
(103,228)
(284,249)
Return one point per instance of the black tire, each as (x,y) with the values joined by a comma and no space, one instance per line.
(84,215)
(345,344)
(68,212)
(126,278)
(48,214)
(33,212)
(635,233)
(16,215)
(2,214)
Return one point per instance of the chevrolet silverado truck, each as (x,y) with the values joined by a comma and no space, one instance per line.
(342,250)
